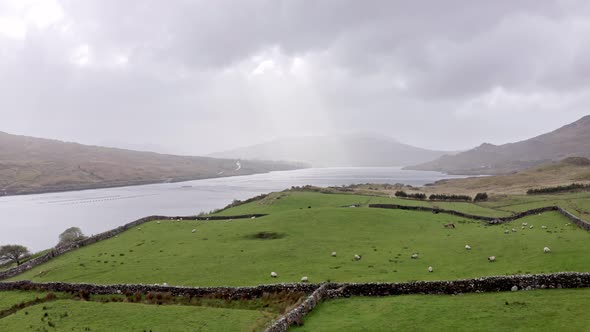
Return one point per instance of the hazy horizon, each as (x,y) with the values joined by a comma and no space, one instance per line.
(195,78)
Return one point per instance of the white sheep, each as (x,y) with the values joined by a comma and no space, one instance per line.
(273,275)
(430,269)
(492,258)
(525,223)
(546,250)
(531,226)
(514,230)
(543,227)
(158,222)
(194,230)
(514,288)
(506,231)
(357,257)
(333,254)
(414,256)
(139,228)
(468,247)
(522,227)
(304,279)
(253,217)
(165,284)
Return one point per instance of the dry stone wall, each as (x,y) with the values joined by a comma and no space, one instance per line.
(491,220)
(578,221)
(229,293)
(327,290)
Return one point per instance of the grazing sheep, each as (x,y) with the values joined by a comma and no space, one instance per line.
(514,288)
(333,254)
(139,228)
(546,250)
(492,259)
(513,230)
(194,230)
(357,257)
(304,279)
(414,256)
(430,269)
(543,227)
(567,224)
(158,222)
(525,223)
(273,275)
(522,227)
(468,247)
(165,284)
(180,218)
(253,217)
(531,226)
(506,231)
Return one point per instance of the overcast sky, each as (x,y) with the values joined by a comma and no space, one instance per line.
(195,77)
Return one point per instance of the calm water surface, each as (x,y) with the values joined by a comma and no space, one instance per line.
(36,220)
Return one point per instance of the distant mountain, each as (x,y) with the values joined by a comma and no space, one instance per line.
(342,150)
(30,165)
(570,140)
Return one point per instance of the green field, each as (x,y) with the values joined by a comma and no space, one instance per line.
(68,315)
(296,240)
(539,310)
(10,298)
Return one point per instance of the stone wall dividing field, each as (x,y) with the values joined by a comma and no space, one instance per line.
(326,291)
(477,285)
(295,316)
(60,250)
(490,220)
(578,221)
(228,293)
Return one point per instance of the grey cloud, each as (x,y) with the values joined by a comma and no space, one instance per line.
(412,70)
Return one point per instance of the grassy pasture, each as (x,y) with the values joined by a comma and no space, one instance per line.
(68,315)
(295,241)
(539,310)
(10,298)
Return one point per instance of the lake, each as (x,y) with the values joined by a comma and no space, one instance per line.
(36,220)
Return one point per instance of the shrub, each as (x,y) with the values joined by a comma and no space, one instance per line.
(444,197)
(401,193)
(557,189)
(480,197)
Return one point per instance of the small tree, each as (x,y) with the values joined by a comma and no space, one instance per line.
(13,253)
(71,235)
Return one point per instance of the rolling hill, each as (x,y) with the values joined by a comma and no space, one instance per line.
(567,171)
(335,151)
(33,165)
(570,140)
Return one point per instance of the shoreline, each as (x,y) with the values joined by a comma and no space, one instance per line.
(83,187)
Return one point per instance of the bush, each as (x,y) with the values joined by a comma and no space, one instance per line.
(481,197)
(400,193)
(403,194)
(444,197)
(557,189)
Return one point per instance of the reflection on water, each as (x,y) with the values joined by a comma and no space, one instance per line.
(36,220)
